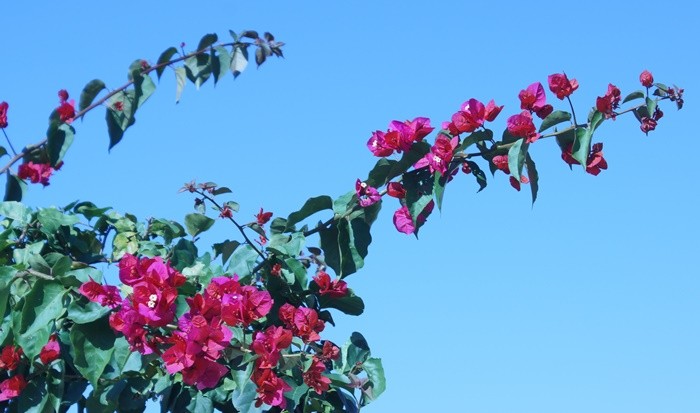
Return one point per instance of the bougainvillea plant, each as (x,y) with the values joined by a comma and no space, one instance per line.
(239,326)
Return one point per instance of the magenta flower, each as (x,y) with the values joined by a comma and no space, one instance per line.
(378,146)
(4,106)
(492,111)
(366,194)
(521,126)
(561,86)
(534,100)
(608,103)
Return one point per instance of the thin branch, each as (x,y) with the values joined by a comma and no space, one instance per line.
(30,148)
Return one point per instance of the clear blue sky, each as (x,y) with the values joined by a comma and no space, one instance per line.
(588,302)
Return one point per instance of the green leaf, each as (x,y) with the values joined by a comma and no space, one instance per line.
(582,145)
(375,373)
(163,59)
(92,345)
(651,106)
(419,185)
(378,175)
(355,350)
(251,34)
(34,397)
(417,151)
(144,88)
(310,207)
(225,249)
(638,94)
(3,151)
(197,223)
(221,62)
(120,115)
(596,119)
(242,261)
(207,40)
(239,61)
(555,118)
(478,136)
(14,188)
(16,211)
(198,68)
(286,245)
(345,245)
(60,138)
(180,76)
(82,312)
(533,175)
(123,360)
(478,174)
(89,93)
(350,304)
(516,157)
(43,305)
(260,56)
(52,219)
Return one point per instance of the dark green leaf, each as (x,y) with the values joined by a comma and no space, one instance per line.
(251,34)
(554,118)
(378,175)
(82,311)
(43,305)
(60,138)
(651,106)
(516,157)
(417,151)
(350,304)
(375,373)
(478,174)
(197,223)
(419,191)
(221,63)
(89,92)
(355,350)
(242,261)
(3,151)
(533,175)
(207,40)
(260,56)
(14,188)
(638,94)
(225,249)
(478,136)
(239,61)
(582,145)
(35,397)
(92,346)
(198,68)
(310,207)
(163,59)
(120,115)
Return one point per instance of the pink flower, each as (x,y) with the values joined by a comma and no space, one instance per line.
(36,172)
(314,377)
(270,388)
(244,306)
(646,79)
(105,295)
(501,162)
(4,106)
(401,135)
(268,343)
(608,103)
(226,212)
(492,111)
(648,124)
(334,289)
(204,374)
(366,194)
(595,162)
(10,357)
(62,95)
(51,351)
(403,221)
(12,387)
(378,146)
(396,190)
(522,126)
(329,351)
(516,184)
(534,100)
(263,217)
(561,86)
(470,117)
(66,109)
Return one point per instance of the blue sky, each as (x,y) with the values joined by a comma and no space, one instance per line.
(586,302)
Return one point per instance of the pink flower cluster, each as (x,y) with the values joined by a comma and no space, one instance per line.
(66,108)
(335,289)
(37,172)
(595,162)
(607,103)
(472,116)
(12,358)
(4,106)
(399,137)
